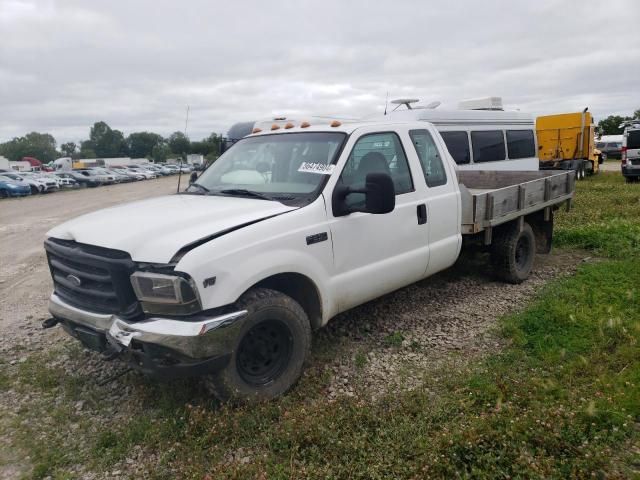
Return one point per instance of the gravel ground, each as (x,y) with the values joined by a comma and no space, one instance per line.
(382,346)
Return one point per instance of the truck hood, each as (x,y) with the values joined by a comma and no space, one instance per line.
(154,230)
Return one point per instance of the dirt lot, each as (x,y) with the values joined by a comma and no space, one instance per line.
(387,344)
(24,279)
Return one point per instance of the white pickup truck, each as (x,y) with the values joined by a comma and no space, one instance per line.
(291,226)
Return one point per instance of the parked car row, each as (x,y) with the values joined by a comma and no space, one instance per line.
(16,184)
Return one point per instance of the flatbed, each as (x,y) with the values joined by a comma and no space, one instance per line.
(492,198)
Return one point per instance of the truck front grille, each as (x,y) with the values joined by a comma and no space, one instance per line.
(92,278)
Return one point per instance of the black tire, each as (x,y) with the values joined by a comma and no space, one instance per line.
(34,189)
(4,194)
(513,253)
(279,328)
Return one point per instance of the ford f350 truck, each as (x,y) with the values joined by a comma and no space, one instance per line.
(291,226)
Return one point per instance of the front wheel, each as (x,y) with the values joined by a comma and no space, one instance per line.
(513,252)
(270,350)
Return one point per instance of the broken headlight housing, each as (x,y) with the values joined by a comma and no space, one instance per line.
(165,294)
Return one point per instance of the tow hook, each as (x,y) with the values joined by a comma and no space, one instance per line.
(50,322)
(110,353)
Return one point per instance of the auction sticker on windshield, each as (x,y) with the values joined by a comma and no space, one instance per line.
(321,168)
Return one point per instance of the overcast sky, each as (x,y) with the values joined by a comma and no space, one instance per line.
(138,64)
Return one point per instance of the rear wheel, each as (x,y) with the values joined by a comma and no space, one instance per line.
(270,351)
(4,194)
(513,253)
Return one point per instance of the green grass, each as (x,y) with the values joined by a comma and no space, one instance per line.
(605,218)
(562,400)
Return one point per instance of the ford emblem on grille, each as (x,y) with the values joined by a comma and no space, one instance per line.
(75,280)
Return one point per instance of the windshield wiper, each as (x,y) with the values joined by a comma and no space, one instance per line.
(244,193)
(201,187)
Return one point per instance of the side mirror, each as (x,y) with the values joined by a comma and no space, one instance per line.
(193,177)
(380,196)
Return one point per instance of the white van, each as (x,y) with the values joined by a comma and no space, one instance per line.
(479,134)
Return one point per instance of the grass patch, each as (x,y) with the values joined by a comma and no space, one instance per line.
(394,339)
(605,217)
(557,403)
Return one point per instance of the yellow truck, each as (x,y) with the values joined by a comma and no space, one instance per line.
(566,142)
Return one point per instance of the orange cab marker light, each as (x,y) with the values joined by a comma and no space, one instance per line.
(288,125)
(256,130)
(335,123)
(275,126)
(305,125)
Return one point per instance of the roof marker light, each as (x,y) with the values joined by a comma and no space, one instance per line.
(275,126)
(288,125)
(305,125)
(335,123)
(256,130)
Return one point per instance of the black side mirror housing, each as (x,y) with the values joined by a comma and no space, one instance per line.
(379,191)
(193,177)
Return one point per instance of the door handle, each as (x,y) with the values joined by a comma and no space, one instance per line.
(422,214)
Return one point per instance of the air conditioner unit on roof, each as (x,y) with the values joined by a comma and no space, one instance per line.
(486,103)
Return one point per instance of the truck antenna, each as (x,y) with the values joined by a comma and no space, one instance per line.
(186,124)
(386,103)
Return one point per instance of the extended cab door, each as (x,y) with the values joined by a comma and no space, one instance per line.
(442,197)
(376,254)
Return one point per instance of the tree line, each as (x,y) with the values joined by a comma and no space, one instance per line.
(105,142)
(611,124)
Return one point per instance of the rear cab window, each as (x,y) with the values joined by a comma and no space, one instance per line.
(430,161)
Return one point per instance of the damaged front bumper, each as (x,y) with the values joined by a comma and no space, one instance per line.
(157,346)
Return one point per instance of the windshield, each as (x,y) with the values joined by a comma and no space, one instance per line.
(281,167)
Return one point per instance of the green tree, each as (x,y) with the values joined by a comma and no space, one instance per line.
(611,125)
(105,141)
(160,152)
(68,149)
(208,146)
(38,145)
(179,143)
(636,114)
(141,144)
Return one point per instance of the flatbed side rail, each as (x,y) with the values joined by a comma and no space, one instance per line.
(493,198)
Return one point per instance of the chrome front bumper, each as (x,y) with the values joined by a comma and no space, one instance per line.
(211,337)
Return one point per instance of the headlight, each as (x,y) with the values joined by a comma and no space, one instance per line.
(165,294)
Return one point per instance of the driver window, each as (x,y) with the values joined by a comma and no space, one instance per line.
(379,153)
